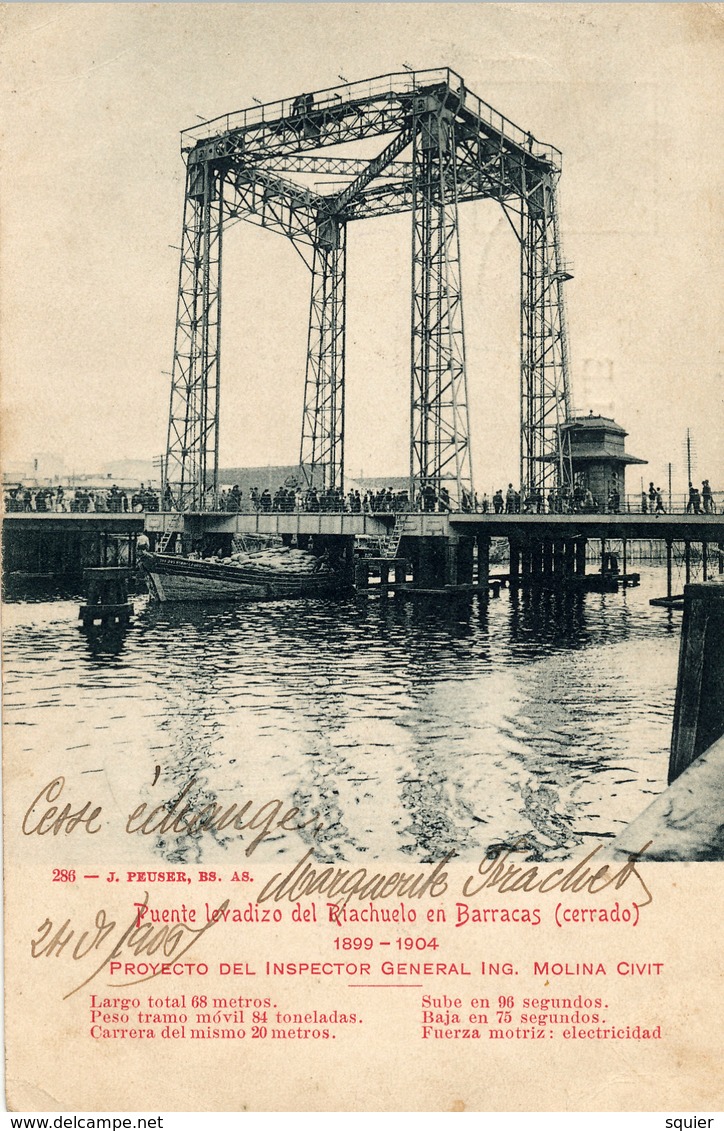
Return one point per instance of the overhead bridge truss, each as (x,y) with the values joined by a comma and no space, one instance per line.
(443,146)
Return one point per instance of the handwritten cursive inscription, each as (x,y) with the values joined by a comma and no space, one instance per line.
(179,816)
(167,943)
(63,821)
(502,874)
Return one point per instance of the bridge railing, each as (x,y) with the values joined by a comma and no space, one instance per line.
(401,82)
(642,503)
(634,503)
(395,83)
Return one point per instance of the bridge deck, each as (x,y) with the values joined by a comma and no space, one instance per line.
(51,522)
(678,527)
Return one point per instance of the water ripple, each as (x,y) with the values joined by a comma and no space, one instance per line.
(408,726)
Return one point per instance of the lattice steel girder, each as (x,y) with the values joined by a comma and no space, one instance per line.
(322,448)
(397,196)
(439,433)
(271,202)
(329,166)
(482,176)
(484,169)
(192,449)
(332,126)
(485,166)
(545,391)
(341,200)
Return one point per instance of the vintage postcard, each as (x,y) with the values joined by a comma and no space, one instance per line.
(362,664)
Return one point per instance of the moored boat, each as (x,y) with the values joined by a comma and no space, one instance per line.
(267,576)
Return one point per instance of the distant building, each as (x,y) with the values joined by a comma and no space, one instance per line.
(135,471)
(48,466)
(290,475)
(599,456)
(263,478)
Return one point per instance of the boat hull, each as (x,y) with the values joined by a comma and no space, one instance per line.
(173,578)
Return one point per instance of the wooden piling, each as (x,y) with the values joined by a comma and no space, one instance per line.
(558,558)
(106,597)
(362,573)
(514,562)
(699,706)
(451,561)
(483,561)
(580,556)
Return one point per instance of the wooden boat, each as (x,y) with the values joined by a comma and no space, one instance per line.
(246,577)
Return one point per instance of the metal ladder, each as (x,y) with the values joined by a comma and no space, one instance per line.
(392,543)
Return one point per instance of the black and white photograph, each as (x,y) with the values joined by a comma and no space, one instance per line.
(362,554)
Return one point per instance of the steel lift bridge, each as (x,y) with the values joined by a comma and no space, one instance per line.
(441,146)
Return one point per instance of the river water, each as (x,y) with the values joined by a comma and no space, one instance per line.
(412,727)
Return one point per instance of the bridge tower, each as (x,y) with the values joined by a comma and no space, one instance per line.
(321,455)
(192,452)
(545,397)
(439,424)
(443,147)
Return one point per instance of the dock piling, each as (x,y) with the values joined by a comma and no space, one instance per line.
(106,597)
(699,705)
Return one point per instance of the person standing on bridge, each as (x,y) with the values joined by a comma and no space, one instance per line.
(510,499)
(614,500)
(707,497)
(652,498)
(428,498)
(694,503)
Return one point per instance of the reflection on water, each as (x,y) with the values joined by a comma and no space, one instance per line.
(413,726)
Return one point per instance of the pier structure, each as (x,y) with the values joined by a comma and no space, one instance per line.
(438,146)
(414,551)
(50,547)
(439,553)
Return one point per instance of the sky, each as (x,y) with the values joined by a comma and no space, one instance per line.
(95,96)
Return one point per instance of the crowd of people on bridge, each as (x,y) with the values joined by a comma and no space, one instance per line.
(292,498)
(81,500)
(697,499)
(287,499)
(558,500)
